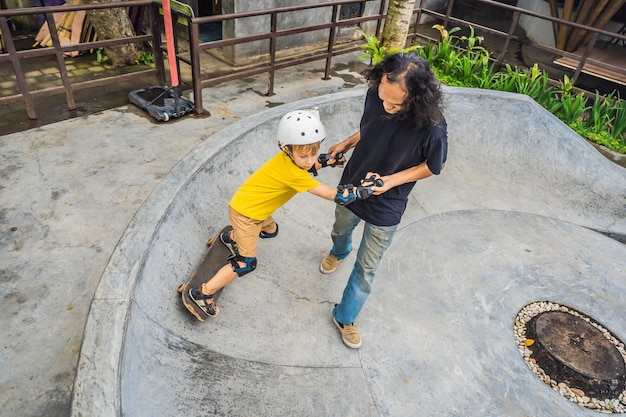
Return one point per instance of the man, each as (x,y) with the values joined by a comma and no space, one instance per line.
(402,139)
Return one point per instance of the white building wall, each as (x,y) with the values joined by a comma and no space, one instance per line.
(537,30)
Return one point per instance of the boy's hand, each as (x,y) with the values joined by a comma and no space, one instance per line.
(345,194)
(327,159)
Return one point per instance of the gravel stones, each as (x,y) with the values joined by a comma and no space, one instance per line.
(534,354)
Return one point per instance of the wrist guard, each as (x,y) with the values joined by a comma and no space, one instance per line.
(345,200)
(325,157)
(364,190)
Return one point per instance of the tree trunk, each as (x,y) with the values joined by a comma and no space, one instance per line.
(397,23)
(114,24)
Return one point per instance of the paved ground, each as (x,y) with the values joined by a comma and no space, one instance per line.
(83,200)
(511,221)
(68,191)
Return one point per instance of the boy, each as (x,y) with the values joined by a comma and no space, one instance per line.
(276,182)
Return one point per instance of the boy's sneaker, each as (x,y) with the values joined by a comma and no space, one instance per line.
(329,264)
(229,243)
(201,301)
(265,235)
(349,334)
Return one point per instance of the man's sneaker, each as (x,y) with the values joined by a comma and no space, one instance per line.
(349,334)
(229,243)
(329,264)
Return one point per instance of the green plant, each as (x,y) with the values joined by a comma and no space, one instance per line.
(464,68)
(428,52)
(445,48)
(544,94)
(528,81)
(565,86)
(468,63)
(485,78)
(375,52)
(600,113)
(145,58)
(473,41)
(604,122)
(573,106)
(505,81)
(101,56)
(603,138)
(619,121)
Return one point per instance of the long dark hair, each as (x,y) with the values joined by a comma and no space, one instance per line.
(424,104)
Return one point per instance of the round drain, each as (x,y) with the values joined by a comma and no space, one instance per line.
(576,356)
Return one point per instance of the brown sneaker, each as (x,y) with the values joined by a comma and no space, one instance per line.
(329,264)
(349,334)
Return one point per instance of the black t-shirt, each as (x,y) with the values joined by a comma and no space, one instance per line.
(388,146)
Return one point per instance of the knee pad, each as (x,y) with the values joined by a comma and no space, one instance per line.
(239,270)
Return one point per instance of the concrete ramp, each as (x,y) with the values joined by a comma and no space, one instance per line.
(513,218)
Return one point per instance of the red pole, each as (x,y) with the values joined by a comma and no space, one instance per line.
(169,36)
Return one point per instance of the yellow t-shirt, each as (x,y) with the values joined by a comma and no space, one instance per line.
(270,187)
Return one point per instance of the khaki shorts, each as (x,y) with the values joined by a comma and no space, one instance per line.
(247,231)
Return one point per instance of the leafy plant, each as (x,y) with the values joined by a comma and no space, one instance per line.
(145,58)
(473,41)
(505,81)
(600,113)
(445,49)
(377,52)
(544,93)
(565,86)
(619,121)
(428,52)
(463,61)
(485,78)
(573,106)
(101,56)
(526,81)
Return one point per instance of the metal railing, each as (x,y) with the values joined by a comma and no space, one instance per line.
(272,34)
(57,50)
(272,63)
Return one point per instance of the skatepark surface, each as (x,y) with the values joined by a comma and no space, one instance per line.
(525,210)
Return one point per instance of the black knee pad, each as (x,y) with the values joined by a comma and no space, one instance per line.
(239,270)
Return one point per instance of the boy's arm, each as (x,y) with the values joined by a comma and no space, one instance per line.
(324,192)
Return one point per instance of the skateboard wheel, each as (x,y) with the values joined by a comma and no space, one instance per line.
(180,288)
(210,242)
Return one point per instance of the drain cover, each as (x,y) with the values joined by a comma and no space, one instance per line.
(575,355)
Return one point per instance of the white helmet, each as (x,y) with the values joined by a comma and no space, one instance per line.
(300,127)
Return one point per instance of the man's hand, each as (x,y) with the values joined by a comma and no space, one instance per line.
(366,188)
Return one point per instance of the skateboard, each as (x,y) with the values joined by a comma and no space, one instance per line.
(215,257)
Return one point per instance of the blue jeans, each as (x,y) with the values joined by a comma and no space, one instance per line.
(374,243)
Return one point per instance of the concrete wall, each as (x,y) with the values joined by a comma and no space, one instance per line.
(538,30)
(255,52)
(258,51)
